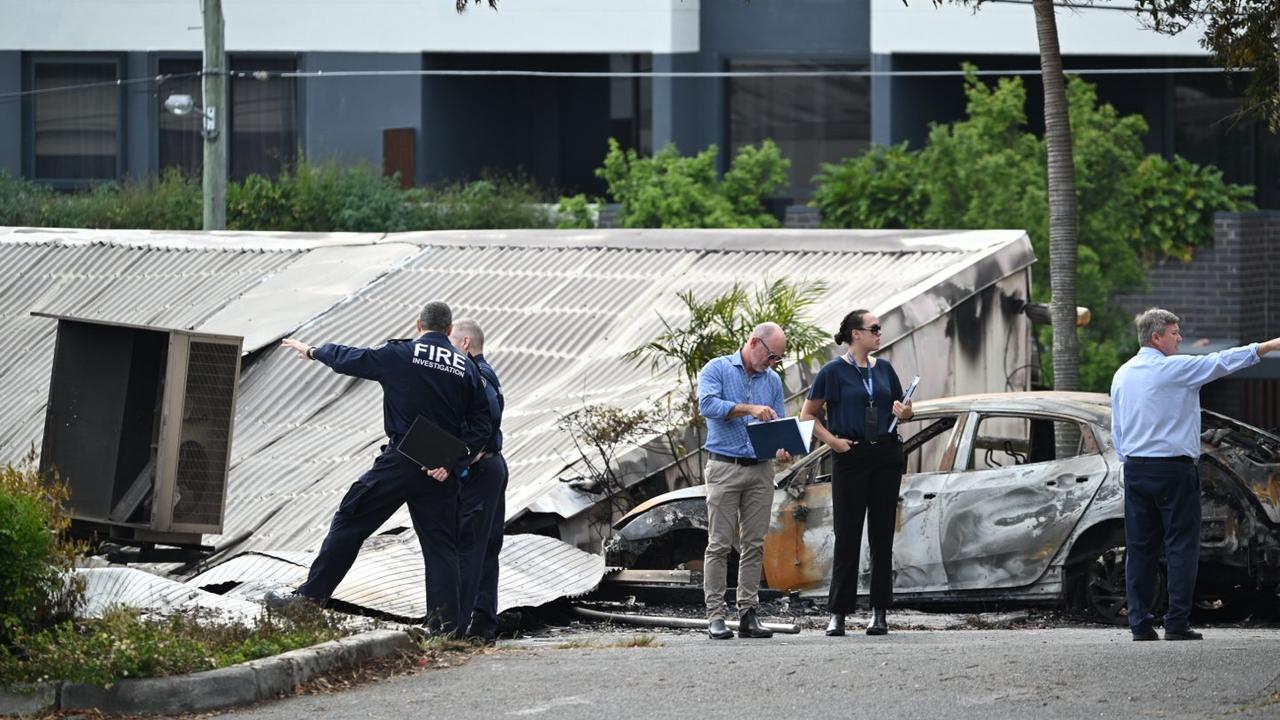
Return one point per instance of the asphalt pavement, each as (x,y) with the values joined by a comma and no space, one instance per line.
(1011,673)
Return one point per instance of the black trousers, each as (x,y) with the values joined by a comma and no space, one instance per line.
(1161,511)
(481,516)
(865,483)
(395,480)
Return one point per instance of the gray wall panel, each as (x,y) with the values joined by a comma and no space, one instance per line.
(141,123)
(342,119)
(692,111)
(11,113)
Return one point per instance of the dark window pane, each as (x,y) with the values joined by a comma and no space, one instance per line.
(181,146)
(76,130)
(263,119)
(1207,130)
(812,119)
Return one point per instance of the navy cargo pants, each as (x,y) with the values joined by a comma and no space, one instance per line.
(481,516)
(395,480)
(1161,509)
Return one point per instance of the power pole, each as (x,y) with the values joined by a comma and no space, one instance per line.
(214,81)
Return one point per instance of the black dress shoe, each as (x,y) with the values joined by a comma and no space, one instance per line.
(835,626)
(718,630)
(878,625)
(1145,635)
(749,626)
(1187,634)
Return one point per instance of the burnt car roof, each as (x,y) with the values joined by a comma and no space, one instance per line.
(1093,407)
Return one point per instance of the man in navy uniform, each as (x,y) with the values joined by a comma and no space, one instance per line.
(482,507)
(427,377)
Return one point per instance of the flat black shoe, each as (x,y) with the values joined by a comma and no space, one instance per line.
(878,624)
(1145,635)
(835,626)
(1187,634)
(749,626)
(718,630)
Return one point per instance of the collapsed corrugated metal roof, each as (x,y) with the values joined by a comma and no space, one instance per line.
(560,309)
(388,575)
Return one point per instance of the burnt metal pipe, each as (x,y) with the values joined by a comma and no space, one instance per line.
(671,622)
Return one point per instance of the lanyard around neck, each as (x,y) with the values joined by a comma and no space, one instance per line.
(866,379)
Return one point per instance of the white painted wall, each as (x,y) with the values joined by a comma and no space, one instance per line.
(1006,28)
(569,26)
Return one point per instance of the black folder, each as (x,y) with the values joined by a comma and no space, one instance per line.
(430,446)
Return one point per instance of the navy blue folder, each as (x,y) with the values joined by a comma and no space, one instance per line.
(784,433)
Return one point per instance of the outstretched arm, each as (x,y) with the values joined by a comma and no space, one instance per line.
(355,361)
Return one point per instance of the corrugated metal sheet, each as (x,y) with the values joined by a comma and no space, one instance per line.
(389,577)
(107,588)
(560,308)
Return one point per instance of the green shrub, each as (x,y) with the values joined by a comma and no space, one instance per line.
(574,213)
(669,190)
(124,644)
(494,202)
(35,557)
(307,198)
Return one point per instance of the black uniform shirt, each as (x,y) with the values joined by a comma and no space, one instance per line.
(497,403)
(427,377)
(844,387)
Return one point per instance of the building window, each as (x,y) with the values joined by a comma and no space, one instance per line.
(1209,129)
(181,146)
(75,120)
(813,120)
(262,122)
(631,103)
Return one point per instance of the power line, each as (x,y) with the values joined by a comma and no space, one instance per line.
(321,74)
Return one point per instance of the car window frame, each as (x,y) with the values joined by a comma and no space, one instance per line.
(1089,434)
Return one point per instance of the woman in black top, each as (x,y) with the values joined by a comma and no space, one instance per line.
(861,394)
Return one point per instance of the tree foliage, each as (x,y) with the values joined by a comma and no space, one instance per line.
(987,171)
(1240,34)
(669,190)
(36,556)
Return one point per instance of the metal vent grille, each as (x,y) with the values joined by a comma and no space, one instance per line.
(208,406)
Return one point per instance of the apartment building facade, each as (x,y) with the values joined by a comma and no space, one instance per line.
(539,86)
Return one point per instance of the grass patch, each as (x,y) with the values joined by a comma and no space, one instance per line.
(632,641)
(126,644)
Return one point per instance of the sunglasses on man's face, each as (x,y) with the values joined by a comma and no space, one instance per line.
(773,356)
(874,329)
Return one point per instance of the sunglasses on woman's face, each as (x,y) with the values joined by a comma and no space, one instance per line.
(874,329)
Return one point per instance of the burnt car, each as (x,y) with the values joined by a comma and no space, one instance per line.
(1010,498)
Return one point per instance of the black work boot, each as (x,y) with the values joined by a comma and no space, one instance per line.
(718,630)
(749,626)
(878,625)
(835,626)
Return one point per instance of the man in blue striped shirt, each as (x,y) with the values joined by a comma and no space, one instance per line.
(732,391)
(1155,427)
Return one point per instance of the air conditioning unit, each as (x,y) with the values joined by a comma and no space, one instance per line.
(139,426)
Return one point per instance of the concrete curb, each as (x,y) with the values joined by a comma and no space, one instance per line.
(241,684)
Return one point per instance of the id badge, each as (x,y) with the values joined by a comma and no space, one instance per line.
(871,424)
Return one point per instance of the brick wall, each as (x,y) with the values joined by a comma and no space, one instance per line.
(1231,290)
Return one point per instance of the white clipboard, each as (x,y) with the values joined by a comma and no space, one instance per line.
(911,390)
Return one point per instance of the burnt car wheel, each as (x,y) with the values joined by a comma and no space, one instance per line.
(1102,593)
(1224,604)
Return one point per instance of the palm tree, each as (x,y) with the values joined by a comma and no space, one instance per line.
(1062,213)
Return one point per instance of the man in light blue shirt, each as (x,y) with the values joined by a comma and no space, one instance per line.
(732,391)
(1155,427)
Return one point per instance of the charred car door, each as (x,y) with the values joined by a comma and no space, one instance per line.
(1008,508)
(930,449)
(799,548)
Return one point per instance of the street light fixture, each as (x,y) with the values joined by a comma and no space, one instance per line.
(183,105)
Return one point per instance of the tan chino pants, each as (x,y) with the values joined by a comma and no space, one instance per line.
(739,500)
